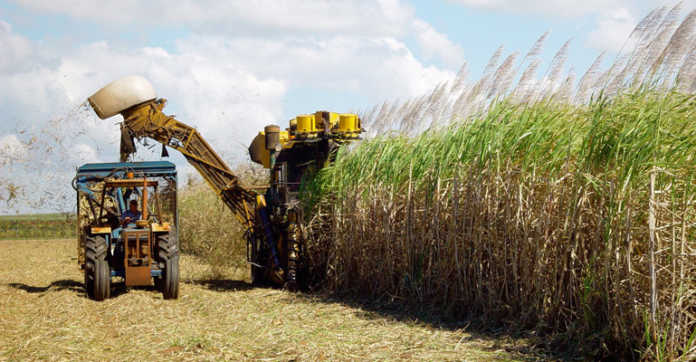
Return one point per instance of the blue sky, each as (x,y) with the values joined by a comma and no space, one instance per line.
(230,67)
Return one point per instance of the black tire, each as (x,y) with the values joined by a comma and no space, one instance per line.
(97,269)
(168,255)
(171,279)
(292,252)
(159,281)
(257,272)
(102,289)
(89,278)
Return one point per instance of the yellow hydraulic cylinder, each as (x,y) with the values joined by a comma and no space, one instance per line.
(348,123)
(325,120)
(306,124)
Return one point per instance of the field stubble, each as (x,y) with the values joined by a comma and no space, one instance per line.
(46,315)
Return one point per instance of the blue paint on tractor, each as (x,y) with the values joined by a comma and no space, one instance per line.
(91,174)
(119,198)
(148,169)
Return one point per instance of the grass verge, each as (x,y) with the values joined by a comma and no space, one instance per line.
(37,226)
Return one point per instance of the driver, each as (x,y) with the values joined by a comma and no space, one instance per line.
(132,214)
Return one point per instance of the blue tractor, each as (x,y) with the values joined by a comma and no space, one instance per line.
(127,226)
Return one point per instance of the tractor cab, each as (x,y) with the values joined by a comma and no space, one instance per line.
(127,226)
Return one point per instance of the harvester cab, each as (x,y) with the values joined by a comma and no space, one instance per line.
(127,226)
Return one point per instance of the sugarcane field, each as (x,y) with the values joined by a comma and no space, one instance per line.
(348,180)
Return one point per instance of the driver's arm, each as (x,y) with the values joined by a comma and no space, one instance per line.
(125,219)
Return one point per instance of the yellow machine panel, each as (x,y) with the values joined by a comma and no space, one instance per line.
(160,227)
(100,230)
(349,125)
(258,151)
(307,128)
(137,257)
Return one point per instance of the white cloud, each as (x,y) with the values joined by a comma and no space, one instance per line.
(204,90)
(613,29)
(613,20)
(381,17)
(44,101)
(544,7)
(201,87)
(215,82)
(268,19)
(686,4)
(378,68)
(436,44)
(227,86)
(13,47)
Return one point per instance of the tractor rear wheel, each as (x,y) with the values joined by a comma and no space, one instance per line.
(168,254)
(97,269)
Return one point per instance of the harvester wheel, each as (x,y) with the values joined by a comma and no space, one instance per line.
(168,254)
(293,251)
(97,269)
(257,272)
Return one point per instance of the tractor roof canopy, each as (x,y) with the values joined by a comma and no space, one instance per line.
(147,169)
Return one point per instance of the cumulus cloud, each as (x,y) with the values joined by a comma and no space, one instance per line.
(544,7)
(381,17)
(613,28)
(43,101)
(227,86)
(213,79)
(378,68)
(15,48)
(215,83)
(204,90)
(288,20)
(435,44)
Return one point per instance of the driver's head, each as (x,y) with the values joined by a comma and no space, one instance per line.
(133,206)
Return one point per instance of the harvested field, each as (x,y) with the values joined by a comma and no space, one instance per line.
(45,314)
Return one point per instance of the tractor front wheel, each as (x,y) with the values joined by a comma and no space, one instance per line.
(97,269)
(168,254)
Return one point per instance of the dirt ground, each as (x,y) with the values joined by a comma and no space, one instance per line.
(44,314)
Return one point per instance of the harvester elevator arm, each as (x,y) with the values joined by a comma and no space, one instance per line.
(148,120)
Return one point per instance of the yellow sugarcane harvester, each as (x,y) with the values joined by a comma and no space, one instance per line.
(272,215)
